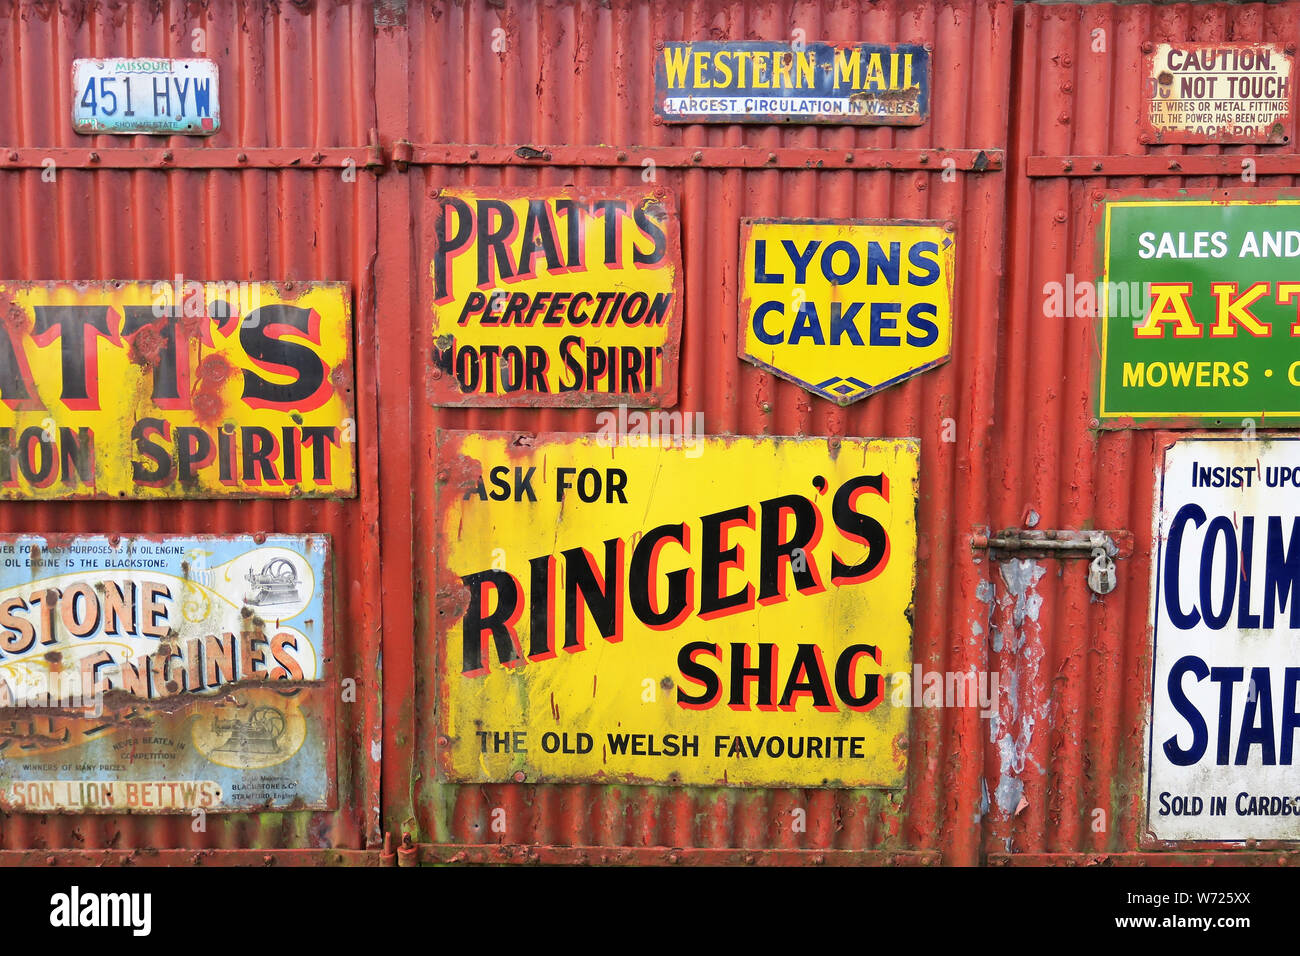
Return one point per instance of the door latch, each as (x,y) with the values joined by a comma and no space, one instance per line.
(1100,547)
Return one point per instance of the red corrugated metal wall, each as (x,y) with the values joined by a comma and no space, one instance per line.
(575,79)
(107,209)
(454,89)
(1070,744)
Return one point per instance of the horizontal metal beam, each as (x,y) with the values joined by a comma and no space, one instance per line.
(408,154)
(1175,858)
(702,157)
(495,853)
(197,158)
(207,857)
(1266,164)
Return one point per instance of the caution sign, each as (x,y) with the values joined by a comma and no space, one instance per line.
(1226,580)
(845,308)
(176,389)
(763,81)
(1218,93)
(695,611)
(165,675)
(556,297)
(1198,312)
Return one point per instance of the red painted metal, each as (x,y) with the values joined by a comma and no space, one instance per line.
(581,73)
(110,222)
(1035,119)
(1065,767)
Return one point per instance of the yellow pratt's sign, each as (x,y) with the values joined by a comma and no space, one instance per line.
(176,389)
(680,610)
(557,296)
(845,308)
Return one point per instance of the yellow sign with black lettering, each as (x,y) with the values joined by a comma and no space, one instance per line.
(673,609)
(176,389)
(845,308)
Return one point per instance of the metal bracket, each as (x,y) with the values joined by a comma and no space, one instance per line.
(1059,544)
(1099,547)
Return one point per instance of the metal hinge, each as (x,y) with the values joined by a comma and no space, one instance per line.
(1099,547)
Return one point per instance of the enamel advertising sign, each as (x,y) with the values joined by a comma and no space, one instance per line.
(176,389)
(556,297)
(165,674)
(846,307)
(764,81)
(1198,319)
(689,610)
(1226,624)
(1212,92)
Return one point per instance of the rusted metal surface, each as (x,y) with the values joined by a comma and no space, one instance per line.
(295,224)
(517,853)
(1065,764)
(151,856)
(552,85)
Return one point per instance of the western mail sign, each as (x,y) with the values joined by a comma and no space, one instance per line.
(556,297)
(1224,714)
(845,308)
(1198,312)
(755,81)
(695,611)
(165,674)
(176,389)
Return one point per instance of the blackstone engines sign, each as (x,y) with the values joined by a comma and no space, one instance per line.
(165,675)
(678,611)
(1224,711)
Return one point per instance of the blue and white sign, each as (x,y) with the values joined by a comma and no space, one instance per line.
(1226,656)
(165,674)
(146,95)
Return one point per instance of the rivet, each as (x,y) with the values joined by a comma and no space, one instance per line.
(167,156)
(241,158)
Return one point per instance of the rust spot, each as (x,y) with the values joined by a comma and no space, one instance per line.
(147,344)
(215,369)
(207,406)
(341,378)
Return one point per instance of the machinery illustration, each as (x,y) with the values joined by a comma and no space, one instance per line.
(259,734)
(276,583)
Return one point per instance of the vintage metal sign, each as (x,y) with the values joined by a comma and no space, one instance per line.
(176,389)
(557,296)
(1226,624)
(649,605)
(845,308)
(146,95)
(1198,312)
(1218,93)
(165,675)
(756,81)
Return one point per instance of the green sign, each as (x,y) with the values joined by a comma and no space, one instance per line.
(1200,313)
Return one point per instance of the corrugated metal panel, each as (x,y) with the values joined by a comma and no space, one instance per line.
(141,223)
(579,76)
(1071,744)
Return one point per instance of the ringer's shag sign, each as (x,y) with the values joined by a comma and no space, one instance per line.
(556,297)
(623,611)
(1224,715)
(176,389)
